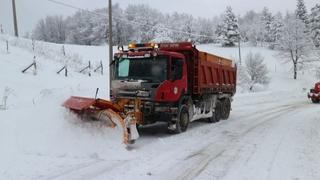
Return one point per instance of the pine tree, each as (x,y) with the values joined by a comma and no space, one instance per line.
(315,25)
(267,21)
(229,30)
(275,30)
(301,12)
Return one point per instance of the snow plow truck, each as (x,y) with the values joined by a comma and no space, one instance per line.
(314,93)
(171,82)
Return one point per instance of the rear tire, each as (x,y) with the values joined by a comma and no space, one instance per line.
(226,108)
(216,115)
(315,101)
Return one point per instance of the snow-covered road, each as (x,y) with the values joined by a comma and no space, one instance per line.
(261,140)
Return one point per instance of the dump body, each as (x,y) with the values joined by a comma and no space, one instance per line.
(207,73)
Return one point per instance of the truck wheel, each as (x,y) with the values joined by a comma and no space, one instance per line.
(315,101)
(226,108)
(182,121)
(212,119)
(216,115)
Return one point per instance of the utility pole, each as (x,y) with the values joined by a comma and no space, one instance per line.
(15,23)
(1,29)
(110,44)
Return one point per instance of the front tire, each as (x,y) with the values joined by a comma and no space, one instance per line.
(315,101)
(183,120)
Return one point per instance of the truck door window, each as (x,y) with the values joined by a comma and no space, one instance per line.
(177,69)
(123,70)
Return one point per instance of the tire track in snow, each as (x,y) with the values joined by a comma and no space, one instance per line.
(194,164)
(275,154)
(217,135)
(270,110)
(87,170)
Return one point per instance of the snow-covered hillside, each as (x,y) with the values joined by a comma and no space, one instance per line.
(273,134)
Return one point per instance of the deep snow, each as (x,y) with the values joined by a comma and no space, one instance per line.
(272,134)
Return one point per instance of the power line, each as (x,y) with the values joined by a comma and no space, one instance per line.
(75,7)
(128,21)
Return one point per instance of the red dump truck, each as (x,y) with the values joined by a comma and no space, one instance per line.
(314,93)
(171,82)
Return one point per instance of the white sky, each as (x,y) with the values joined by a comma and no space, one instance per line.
(30,11)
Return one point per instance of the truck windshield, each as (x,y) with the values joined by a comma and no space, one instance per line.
(153,69)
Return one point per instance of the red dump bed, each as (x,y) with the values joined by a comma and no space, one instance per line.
(216,74)
(207,73)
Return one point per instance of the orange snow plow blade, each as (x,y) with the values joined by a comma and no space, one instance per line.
(82,103)
(106,111)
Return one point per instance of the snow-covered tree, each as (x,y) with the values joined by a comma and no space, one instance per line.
(121,27)
(143,19)
(318,72)
(261,27)
(205,30)
(275,31)
(294,42)
(301,12)
(181,27)
(52,29)
(80,29)
(250,28)
(256,69)
(228,31)
(267,21)
(162,34)
(315,25)
(243,79)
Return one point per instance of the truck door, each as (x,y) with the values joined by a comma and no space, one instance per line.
(172,89)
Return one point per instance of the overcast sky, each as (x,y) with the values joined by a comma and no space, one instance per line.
(30,11)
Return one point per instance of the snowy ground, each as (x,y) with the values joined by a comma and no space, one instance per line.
(272,134)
